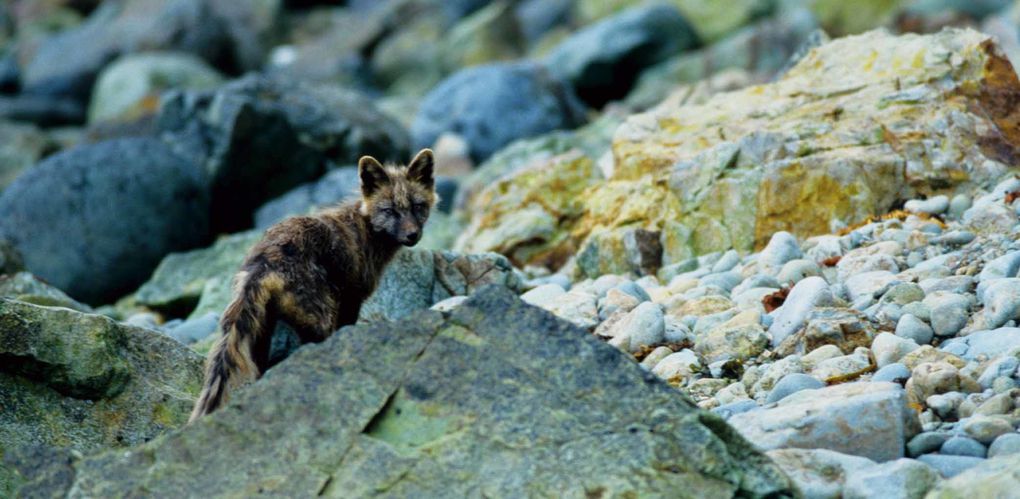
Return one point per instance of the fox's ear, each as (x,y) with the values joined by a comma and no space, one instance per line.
(420,169)
(373,175)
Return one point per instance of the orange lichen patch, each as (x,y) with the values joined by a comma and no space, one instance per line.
(775,300)
(899,214)
(1011,196)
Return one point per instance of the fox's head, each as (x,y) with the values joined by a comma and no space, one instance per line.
(396,200)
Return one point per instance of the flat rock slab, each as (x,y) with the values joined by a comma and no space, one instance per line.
(871,420)
(497,399)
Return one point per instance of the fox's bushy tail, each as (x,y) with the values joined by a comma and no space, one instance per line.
(232,360)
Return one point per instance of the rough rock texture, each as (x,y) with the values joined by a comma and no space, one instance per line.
(400,409)
(858,119)
(259,137)
(95,220)
(997,477)
(853,418)
(416,279)
(25,287)
(181,278)
(81,381)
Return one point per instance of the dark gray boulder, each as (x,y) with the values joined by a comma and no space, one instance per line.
(95,220)
(260,137)
(334,187)
(495,104)
(498,399)
(602,61)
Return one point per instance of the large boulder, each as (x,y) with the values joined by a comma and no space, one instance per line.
(95,220)
(334,187)
(226,33)
(857,125)
(494,104)
(83,382)
(498,399)
(260,137)
(871,420)
(603,60)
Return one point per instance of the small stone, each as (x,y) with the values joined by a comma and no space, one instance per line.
(704,305)
(869,284)
(954,238)
(449,303)
(728,410)
(888,348)
(950,466)
(675,330)
(782,248)
(912,328)
(818,472)
(903,293)
(726,262)
(633,289)
(543,294)
(986,429)
(843,368)
(197,329)
(1003,366)
(790,384)
(807,294)
(616,301)
(998,404)
(895,372)
(655,356)
(927,442)
(931,206)
(794,271)
(949,312)
(739,338)
(1002,301)
(963,446)
(575,306)
(945,404)
(1006,444)
(919,310)
(932,378)
(1004,266)
(679,365)
(959,204)
(900,479)
(725,281)
(643,326)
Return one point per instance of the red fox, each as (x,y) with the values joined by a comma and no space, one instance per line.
(314,272)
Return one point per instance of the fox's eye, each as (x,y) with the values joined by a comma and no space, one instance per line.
(388,211)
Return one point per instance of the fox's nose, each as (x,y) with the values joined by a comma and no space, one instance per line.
(413,236)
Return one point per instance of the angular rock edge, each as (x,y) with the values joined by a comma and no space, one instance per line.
(497,398)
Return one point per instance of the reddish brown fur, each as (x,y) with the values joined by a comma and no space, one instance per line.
(314,272)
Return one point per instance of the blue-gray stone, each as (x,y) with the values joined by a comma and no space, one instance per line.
(927,442)
(790,384)
(1008,443)
(963,446)
(950,466)
(895,372)
(738,407)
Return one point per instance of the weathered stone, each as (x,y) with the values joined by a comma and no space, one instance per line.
(417,279)
(84,382)
(494,394)
(180,279)
(871,420)
(900,479)
(845,328)
(818,473)
(25,287)
(992,478)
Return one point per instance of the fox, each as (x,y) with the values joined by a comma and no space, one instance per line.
(314,272)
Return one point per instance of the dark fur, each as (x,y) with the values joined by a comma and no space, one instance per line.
(314,272)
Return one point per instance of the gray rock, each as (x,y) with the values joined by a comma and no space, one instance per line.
(795,270)
(819,473)
(95,220)
(1003,366)
(984,478)
(644,326)
(869,284)
(543,294)
(722,280)
(895,373)
(726,411)
(333,188)
(958,205)
(988,343)
(950,466)
(782,248)
(899,479)
(985,429)
(604,59)
(912,328)
(195,329)
(417,279)
(1003,445)
(495,104)
(803,298)
(888,348)
(932,206)
(945,404)
(25,287)
(726,262)
(949,312)
(1002,301)
(259,137)
(963,446)
(449,304)
(678,365)
(927,442)
(871,420)
(792,383)
(575,306)
(1002,267)
(481,395)
(86,383)
(634,290)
